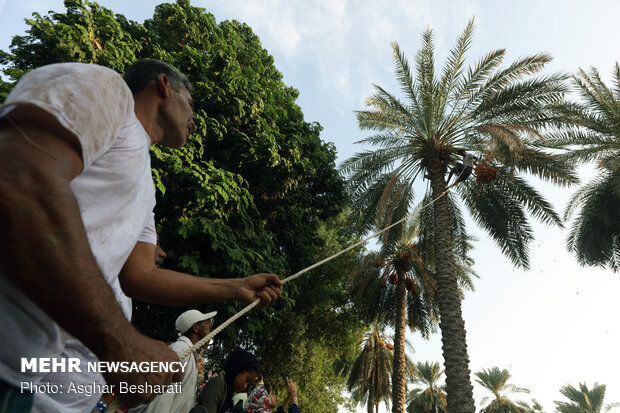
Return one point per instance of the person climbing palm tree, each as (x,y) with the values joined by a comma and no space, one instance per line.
(462,170)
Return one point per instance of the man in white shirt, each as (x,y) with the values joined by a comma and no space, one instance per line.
(78,230)
(463,170)
(192,326)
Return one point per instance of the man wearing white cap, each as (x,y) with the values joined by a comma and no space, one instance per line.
(192,326)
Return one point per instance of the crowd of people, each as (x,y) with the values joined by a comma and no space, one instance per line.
(237,388)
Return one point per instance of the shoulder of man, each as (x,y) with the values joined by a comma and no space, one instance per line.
(92,102)
(182,344)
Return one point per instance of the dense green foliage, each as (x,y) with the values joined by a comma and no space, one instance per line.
(255,189)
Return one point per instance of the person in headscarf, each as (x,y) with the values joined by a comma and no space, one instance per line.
(261,399)
(240,370)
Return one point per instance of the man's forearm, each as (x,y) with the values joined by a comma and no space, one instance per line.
(168,287)
(141,279)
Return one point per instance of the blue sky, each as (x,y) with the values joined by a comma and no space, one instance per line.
(553,325)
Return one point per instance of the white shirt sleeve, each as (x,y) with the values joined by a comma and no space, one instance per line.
(149,234)
(90,101)
(468,160)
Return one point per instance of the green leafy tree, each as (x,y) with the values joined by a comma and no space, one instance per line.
(496,381)
(496,114)
(594,135)
(584,400)
(253,126)
(254,189)
(86,33)
(431,396)
(320,333)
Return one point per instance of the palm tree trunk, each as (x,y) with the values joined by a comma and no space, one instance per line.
(371,392)
(399,383)
(371,399)
(456,361)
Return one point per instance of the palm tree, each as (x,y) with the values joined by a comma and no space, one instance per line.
(495,115)
(397,286)
(496,381)
(369,376)
(431,397)
(584,400)
(595,136)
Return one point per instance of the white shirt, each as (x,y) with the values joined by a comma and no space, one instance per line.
(177,402)
(114,192)
(468,160)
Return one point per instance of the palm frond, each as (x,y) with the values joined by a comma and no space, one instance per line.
(595,232)
(582,145)
(495,381)
(405,78)
(366,166)
(528,65)
(425,65)
(582,399)
(464,94)
(519,190)
(453,69)
(521,102)
(392,109)
(549,167)
(502,135)
(616,75)
(502,217)
(597,95)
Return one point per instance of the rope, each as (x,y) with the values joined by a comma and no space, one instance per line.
(205,340)
(250,306)
(115,404)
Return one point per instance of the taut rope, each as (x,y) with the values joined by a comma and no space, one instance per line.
(116,403)
(253,304)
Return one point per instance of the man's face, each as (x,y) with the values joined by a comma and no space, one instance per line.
(176,117)
(203,328)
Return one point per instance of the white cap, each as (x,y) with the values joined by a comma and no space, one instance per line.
(186,320)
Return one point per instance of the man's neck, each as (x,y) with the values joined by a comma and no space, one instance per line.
(193,338)
(145,108)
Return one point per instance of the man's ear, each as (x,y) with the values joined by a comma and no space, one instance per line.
(195,328)
(163,85)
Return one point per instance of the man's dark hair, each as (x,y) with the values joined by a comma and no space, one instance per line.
(141,73)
